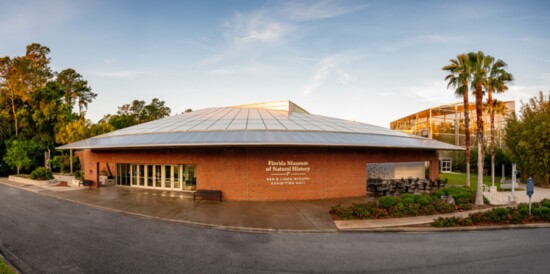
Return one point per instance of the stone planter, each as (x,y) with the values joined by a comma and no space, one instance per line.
(31,182)
(65,178)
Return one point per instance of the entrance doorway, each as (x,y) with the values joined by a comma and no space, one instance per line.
(166,177)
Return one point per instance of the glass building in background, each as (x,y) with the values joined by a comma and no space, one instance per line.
(445,123)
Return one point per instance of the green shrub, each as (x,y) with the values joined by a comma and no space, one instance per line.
(387,201)
(423,200)
(342,212)
(460,195)
(524,211)
(518,218)
(364,211)
(537,212)
(545,213)
(412,209)
(501,214)
(380,213)
(465,206)
(427,210)
(407,198)
(523,205)
(41,173)
(442,207)
(79,175)
(545,203)
(437,194)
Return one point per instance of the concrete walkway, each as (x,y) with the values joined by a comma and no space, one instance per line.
(282,216)
(306,216)
(501,197)
(358,225)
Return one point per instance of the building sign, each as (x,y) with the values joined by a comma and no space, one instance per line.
(287,172)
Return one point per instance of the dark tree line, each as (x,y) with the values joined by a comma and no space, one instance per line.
(41,109)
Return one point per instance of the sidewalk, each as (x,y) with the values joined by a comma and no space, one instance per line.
(295,216)
(279,216)
(358,225)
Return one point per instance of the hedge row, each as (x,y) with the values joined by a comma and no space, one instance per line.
(498,216)
(408,205)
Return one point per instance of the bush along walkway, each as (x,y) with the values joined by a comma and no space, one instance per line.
(501,216)
(408,205)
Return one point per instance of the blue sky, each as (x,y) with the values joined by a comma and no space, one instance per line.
(369,61)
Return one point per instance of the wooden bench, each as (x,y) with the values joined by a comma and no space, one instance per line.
(87,183)
(207,194)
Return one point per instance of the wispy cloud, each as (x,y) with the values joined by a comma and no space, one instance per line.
(315,10)
(253,27)
(434,91)
(328,66)
(424,39)
(246,70)
(249,33)
(24,17)
(119,73)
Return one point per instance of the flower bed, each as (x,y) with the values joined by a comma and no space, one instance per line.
(500,216)
(408,205)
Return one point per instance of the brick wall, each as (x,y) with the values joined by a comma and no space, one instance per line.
(243,173)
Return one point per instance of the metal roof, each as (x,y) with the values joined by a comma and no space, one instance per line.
(274,124)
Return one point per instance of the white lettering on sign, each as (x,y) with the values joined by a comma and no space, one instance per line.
(287,172)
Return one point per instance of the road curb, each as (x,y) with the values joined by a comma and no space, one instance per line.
(14,262)
(447,229)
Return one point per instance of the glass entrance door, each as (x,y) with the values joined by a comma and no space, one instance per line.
(169,177)
(190,178)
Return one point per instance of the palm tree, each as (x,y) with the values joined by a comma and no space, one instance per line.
(499,108)
(498,80)
(458,78)
(480,68)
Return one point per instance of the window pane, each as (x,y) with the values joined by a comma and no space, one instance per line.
(158,176)
(190,177)
(167,177)
(177,176)
(149,173)
(134,174)
(141,173)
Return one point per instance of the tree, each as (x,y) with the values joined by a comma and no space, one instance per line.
(154,111)
(76,90)
(47,112)
(72,131)
(497,81)
(138,112)
(528,139)
(458,78)
(18,154)
(480,66)
(21,76)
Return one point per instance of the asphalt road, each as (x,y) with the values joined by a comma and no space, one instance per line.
(55,236)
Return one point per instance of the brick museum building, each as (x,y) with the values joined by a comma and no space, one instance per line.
(264,151)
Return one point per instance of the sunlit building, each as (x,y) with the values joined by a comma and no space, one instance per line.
(446,124)
(265,151)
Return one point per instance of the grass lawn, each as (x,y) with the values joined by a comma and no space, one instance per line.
(459,179)
(5,268)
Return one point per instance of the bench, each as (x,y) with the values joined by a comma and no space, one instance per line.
(87,183)
(506,186)
(208,194)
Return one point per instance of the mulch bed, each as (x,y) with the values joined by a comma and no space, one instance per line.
(62,183)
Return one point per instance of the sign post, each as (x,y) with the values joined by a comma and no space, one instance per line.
(530,189)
